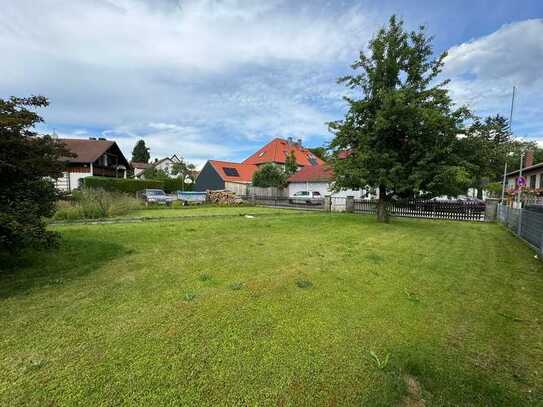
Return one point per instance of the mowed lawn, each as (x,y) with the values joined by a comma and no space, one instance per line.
(276,310)
(205,210)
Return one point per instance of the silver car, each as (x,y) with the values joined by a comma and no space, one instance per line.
(305,197)
(156,196)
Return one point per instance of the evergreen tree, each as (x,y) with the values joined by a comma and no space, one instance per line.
(401,129)
(28,162)
(140,153)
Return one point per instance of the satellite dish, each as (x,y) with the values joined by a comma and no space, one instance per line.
(188,180)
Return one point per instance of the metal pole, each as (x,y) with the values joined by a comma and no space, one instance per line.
(520,175)
(511,132)
(511,112)
(504,180)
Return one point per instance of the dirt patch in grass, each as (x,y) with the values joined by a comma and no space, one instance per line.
(413,398)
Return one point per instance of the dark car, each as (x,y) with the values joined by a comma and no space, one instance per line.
(156,196)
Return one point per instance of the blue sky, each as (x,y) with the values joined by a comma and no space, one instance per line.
(217,79)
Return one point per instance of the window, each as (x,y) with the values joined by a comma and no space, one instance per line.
(312,161)
(316,193)
(231,172)
(532,181)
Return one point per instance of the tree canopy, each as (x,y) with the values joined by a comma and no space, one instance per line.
(401,126)
(291,166)
(28,162)
(321,152)
(140,153)
(183,169)
(270,175)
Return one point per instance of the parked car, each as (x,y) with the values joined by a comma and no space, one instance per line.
(305,197)
(156,196)
(470,199)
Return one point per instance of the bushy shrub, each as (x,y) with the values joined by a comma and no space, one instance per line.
(95,204)
(27,162)
(171,185)
(127,185)
(131,185)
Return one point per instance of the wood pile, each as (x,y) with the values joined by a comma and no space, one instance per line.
(223,197)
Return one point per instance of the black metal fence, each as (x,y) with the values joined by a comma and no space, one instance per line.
(470,211)
(450,210)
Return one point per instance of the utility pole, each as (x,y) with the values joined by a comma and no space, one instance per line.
(511,132)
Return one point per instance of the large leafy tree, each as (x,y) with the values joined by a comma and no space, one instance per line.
(183,169)
(400,129)
(321,152)
(291,165)
(485,148)
(270,175)
(27,163)
(140,153)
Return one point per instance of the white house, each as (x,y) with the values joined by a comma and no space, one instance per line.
(90,157)
(319,178)
(164,164)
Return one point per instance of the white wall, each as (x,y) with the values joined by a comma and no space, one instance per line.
(75,177)
(238,188)
(323,187)
(166,166)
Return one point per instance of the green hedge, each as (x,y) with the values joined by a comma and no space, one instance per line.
(130,185)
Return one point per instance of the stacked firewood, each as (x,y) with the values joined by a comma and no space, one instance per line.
(223,197)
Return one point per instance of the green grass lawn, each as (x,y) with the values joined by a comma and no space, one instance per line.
(206,210)
(277,310)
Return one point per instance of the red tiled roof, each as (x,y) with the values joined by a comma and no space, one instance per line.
(317,173)
(86,151)
(277,150)
(245,171)
(344,154)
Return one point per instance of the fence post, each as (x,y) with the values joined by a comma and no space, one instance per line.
(327,203)
(491,209)
(349,204)
(519,227)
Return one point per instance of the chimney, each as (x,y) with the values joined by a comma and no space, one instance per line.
(289,141)
(300,142)
(529,158)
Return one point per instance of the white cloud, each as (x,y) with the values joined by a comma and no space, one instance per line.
(233,71)
(484,71)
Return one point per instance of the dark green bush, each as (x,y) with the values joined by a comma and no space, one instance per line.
(128,185)
(131,185)
(175,184)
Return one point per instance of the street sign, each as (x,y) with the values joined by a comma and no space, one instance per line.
(521,181)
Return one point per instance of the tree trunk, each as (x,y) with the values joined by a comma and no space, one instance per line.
(480,188)
(382,211)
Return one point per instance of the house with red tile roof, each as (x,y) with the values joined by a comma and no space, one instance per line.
(319,178)
(236,177)
(99,157)
(217,175)
(277,150)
